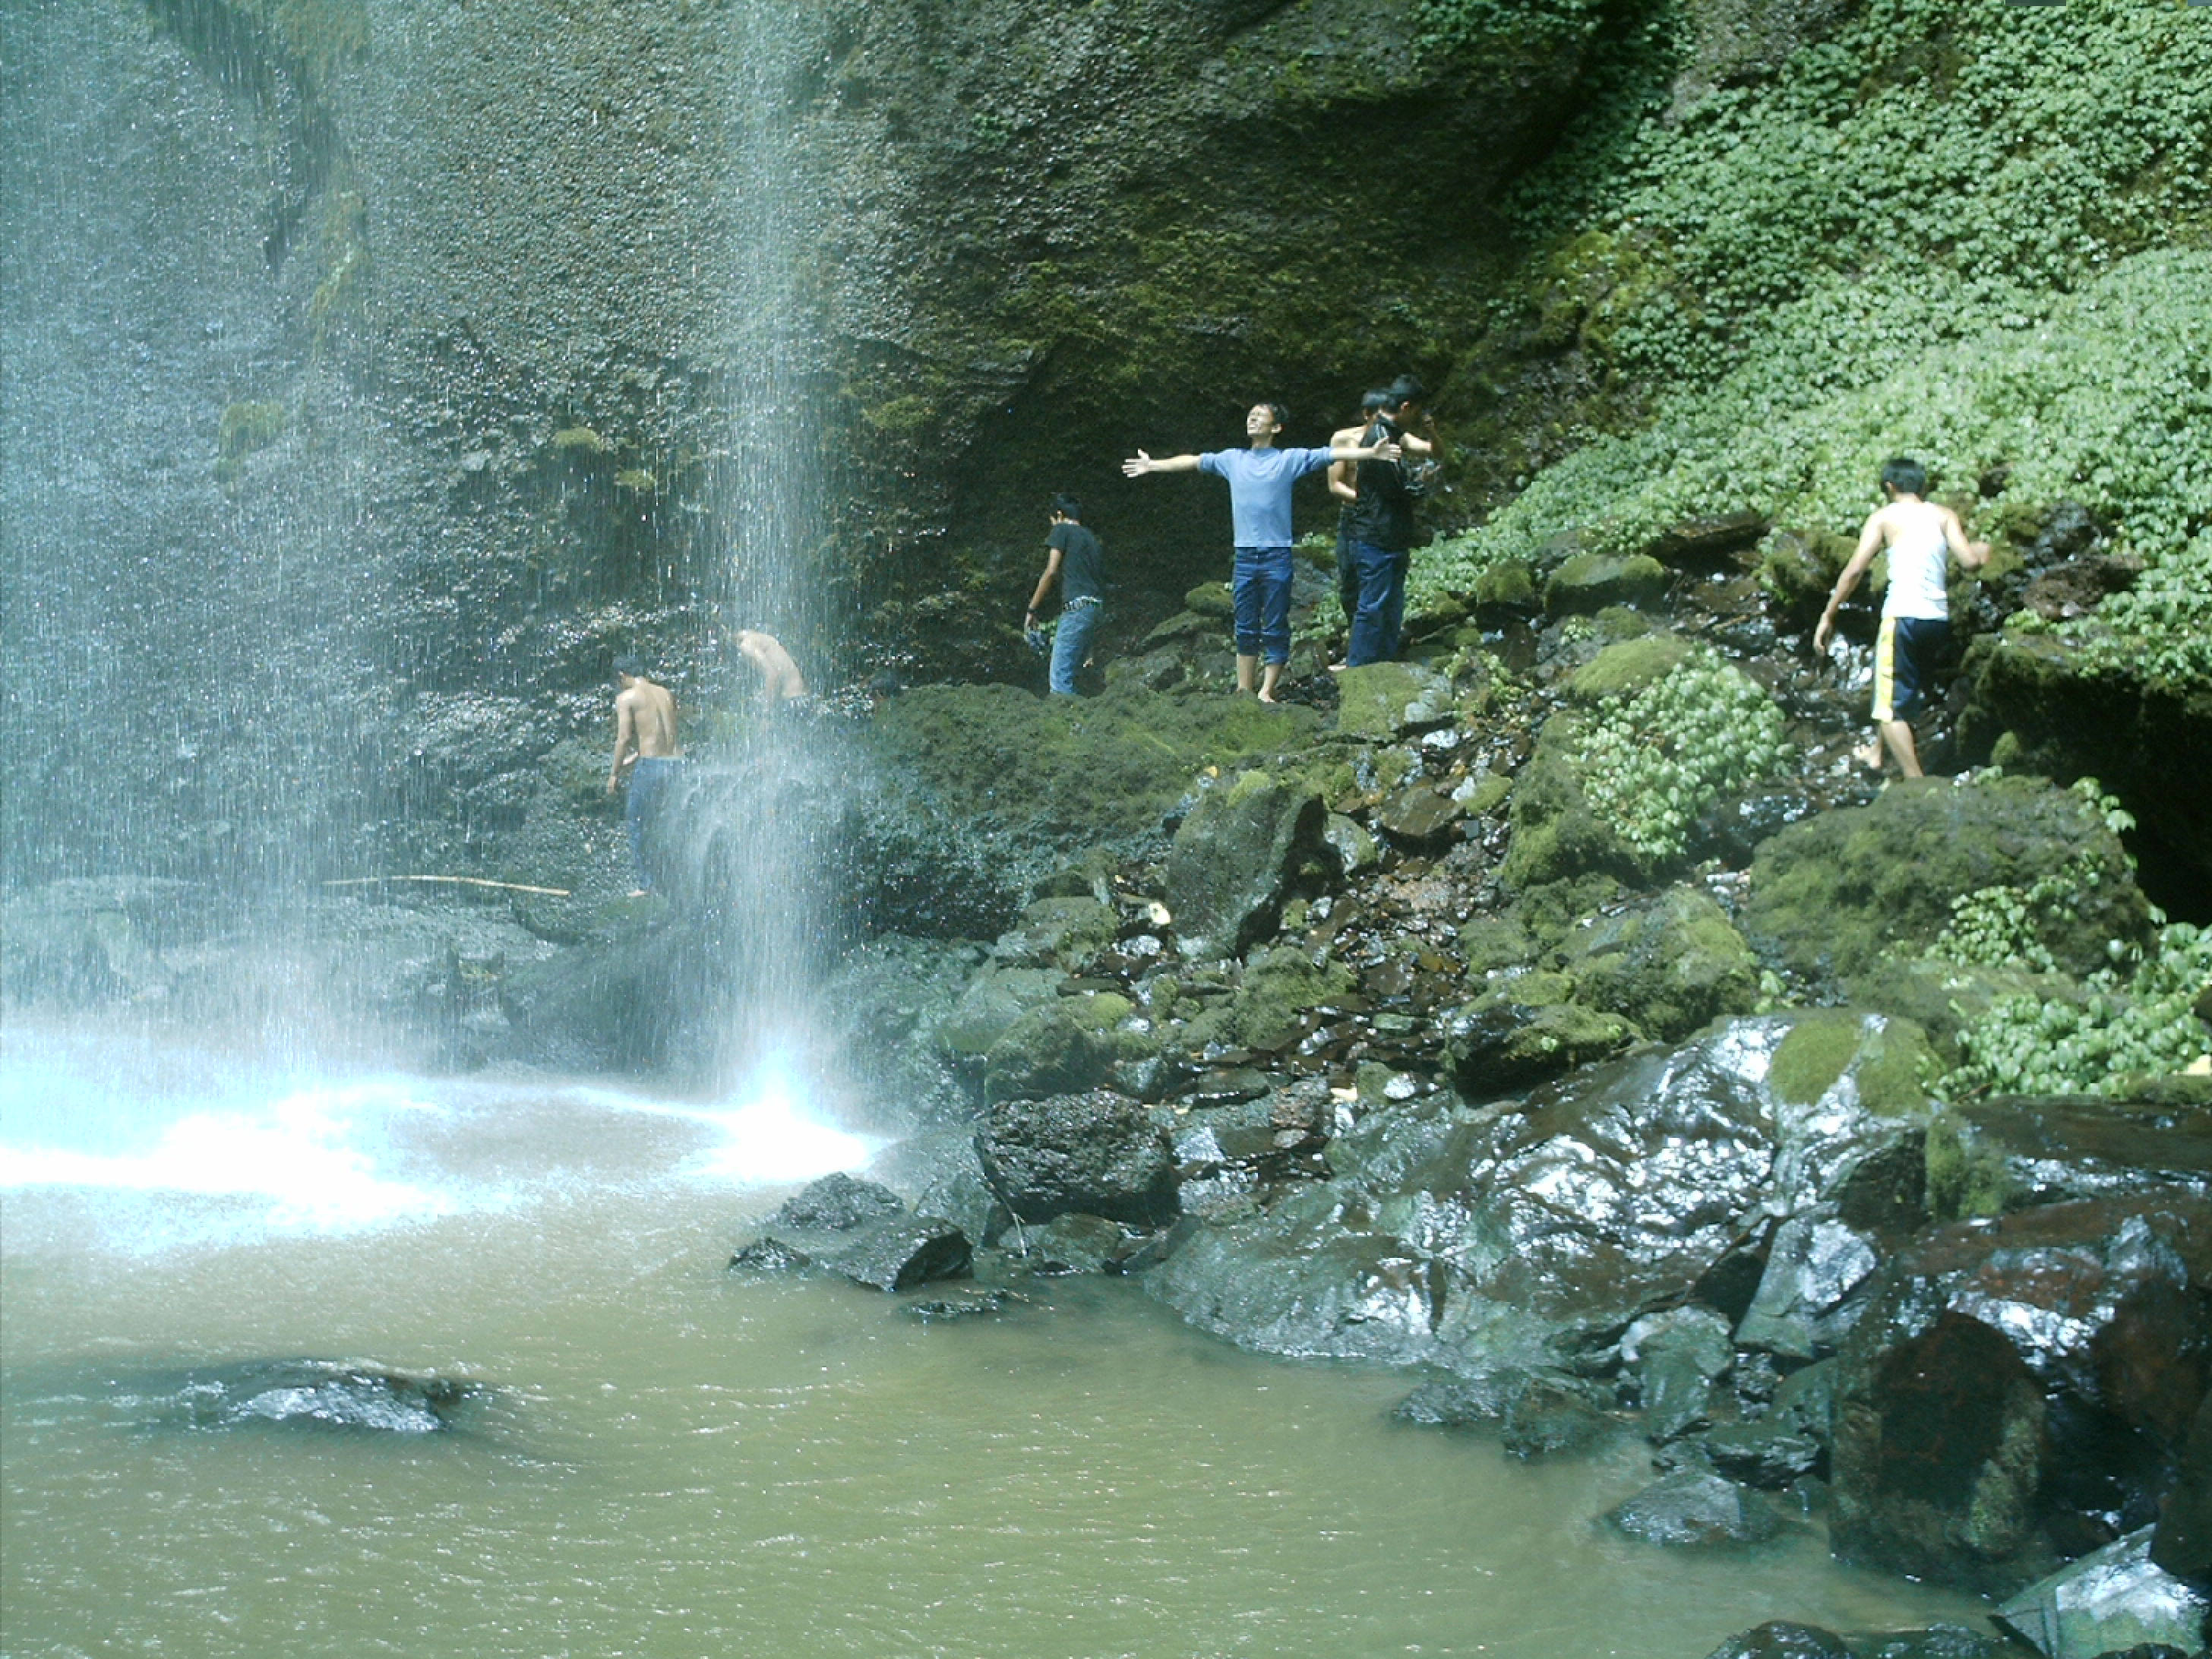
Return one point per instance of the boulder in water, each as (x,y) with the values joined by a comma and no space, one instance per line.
(1096,1153)
(1690,1510)
(303,1394)
(1778,1639)
(2116,1599)
(861,1231)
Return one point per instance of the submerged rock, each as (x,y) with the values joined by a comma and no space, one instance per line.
(2117,1598)
(301,1394)
(2182,1543)
(1689,1511)
(1779,1639)
(861,1231)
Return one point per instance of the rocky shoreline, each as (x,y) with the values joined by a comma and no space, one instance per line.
(1561,1016)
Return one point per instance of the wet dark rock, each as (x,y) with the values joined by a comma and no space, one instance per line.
(1833,897)
(1937,1642)
(1688,1511)
(1706,541)
(1418,815)
(2011,1389)
(2182,1542)
(1457,1403)
(1987,1157)
(297,1393)
(1058,932)
(1678,1356)
(2108,1602)
(1072,1244)
(1233,859)
(1805,1401)
(991,1004)
(1763,1455)
(837,1203)
(1499,1042)
(884,1249)
(1780,1639)
(1819,1279)
(1096,1153)
(1550,1417)
(979,1303)
(1731,828)
(1799,570)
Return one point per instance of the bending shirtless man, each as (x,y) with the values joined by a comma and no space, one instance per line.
(646,749)
(781,680)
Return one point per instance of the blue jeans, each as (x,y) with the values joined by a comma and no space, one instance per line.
(1071,643)
(649,778)
(1262,589)
(1382,612)
(1348,576)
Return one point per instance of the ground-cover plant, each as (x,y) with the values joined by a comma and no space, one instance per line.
(1653,760)
(1977,233)
(2101,1044)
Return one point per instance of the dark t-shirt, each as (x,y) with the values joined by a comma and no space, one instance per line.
(1383,515)
(1082,562)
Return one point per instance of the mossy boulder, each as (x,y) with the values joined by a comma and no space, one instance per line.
(993,1001)
(1039,781)
(1518,1034)
(1556,834)
(1211,600)
(1089,1153)
(1279,987)
(1627,667)
(1386,699)
(1667,968)
(1063,1047)
(1058,932)
(1838,896)
(1234,859)
(1489,943)
(1885,1059)
(1590,582)
(1797,570)
(1504,592)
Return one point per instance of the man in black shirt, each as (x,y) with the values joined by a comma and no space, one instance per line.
(1074,558)
(1382,527)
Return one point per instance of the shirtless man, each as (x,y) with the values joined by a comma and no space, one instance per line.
(1915,612)
(646,749)
(1343,484)
(781,680)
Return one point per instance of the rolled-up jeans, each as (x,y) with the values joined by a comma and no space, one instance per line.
(1262,589)
(1071,643)
(1381,613)
(649,778)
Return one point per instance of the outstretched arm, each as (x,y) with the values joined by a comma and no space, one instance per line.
(1140,464)
(1385,451)
(1869,544)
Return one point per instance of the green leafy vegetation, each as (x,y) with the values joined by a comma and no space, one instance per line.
(1973,232)
(2102,1044)
(1654,759)
(2161,628)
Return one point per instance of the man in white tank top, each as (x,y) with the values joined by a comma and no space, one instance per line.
(1921,537)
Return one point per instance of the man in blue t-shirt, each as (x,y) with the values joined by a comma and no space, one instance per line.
(1260,479)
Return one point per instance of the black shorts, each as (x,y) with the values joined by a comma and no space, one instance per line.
(1904,657)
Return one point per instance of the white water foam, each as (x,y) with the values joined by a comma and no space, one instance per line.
(293,1154)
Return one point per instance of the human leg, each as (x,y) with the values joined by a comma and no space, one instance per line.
(1070,645)
(1348,578)
(649,777)
(1245,582)
(1274,618)
(1372,633)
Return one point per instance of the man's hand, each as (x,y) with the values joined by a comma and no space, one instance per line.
(613,784)
(1820,633)
(1136,466)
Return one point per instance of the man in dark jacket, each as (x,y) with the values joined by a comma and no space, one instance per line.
(1383,532)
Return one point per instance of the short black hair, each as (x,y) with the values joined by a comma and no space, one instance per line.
(1067,507)
(1405,389)
(1910,477)
(1374,403)
(1281,416)
(629,666)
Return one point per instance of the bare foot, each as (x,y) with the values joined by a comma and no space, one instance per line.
(1264,697)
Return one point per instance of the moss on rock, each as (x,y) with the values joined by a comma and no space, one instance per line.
(1667,968)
